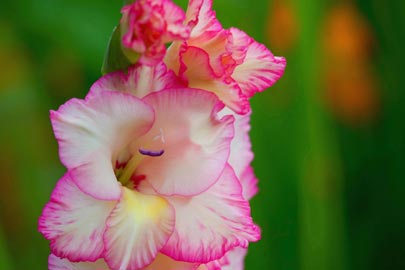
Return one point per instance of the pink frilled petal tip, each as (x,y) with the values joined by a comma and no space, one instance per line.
(232,260)
(212,223)
(201,18)
(91,132)
(161,262)
(138,227)
(56,263)
(259,69)
(139,80)
(74,222)
(146,26)
(194,139)
(249,183)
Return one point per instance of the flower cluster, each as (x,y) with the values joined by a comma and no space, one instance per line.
(158,155)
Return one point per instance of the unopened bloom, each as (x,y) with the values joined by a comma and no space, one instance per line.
(146,26)
(225,61)
(146,177)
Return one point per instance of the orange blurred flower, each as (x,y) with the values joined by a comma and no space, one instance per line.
(282,26)
(351,85)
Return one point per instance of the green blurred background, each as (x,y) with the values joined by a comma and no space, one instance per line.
(328,137)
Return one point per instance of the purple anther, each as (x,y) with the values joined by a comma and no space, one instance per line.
(151,152)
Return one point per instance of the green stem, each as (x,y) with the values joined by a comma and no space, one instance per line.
(321,219)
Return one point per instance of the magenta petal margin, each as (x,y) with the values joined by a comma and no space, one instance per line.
(158,156)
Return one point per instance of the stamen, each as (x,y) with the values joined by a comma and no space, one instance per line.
(151,153)
(160,136)
(125,176)
(129,169)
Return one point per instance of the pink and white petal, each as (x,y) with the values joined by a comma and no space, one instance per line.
(140,80)
(74,222)
(138,227)
(194,139)
(201,17)
(114,81)
(232,260)
(196,69)
(163,262)
(260,68)
(217,264)
(235,259)
(214,44)
(152,79)
(175,17)
(172,56)
(249,183)
(97,178)
(241,154)
(238,44)
(93,131)
(56,263)
(214,265)
(212,223)
(241,148)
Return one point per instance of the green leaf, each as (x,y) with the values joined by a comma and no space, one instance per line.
(115,59)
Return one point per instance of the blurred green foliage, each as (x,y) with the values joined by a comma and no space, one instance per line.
(331,183)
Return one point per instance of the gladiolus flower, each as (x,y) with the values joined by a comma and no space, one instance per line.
(146,173)
(158,154)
